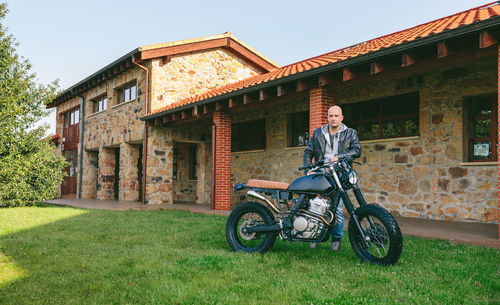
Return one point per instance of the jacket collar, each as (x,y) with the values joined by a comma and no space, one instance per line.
(325,131)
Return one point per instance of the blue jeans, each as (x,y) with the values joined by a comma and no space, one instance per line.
(337,231)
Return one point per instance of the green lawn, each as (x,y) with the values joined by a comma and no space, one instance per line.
(57,255)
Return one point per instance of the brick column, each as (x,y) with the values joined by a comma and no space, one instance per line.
(320,99)
(498,136)
(222,122)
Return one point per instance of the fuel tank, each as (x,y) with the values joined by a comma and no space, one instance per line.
(315,183)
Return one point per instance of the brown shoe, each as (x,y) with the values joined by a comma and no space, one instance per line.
(336,245)
(313,245)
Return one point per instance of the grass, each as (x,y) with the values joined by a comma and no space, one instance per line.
(58,255)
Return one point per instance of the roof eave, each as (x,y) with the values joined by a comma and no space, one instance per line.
(93,75)
(463,30)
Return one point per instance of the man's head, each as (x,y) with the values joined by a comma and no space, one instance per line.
(335,117)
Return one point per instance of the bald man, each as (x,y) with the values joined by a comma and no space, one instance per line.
(330,142)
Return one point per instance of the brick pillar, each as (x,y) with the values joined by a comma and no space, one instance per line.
(498,136)
(320,99)
(222,122)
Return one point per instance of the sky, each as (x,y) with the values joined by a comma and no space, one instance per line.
(68,40)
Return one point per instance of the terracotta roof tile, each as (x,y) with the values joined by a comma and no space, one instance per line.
(433,27)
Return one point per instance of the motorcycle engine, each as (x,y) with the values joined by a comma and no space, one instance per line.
(308,226)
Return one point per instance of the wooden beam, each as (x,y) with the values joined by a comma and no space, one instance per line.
(234,102)
(263,95)
(185,114)
(183,48)
(443,49)
(218,106)
(167,118)
(347,74)
(175,116)
(324,80)
(376,67)
(205,109)
(195,110)
(280,90)
(407,59)
(301,85)
(166,59)
(486,39)
(247,99)
(264,64)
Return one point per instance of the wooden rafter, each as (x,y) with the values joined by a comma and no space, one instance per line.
(407,59)
(486,39)
(301,85)
(376,67)
(347,74)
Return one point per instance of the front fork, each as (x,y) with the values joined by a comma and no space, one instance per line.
(350,208)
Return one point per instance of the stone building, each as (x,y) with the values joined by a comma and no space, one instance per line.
(424,101)
(103,112)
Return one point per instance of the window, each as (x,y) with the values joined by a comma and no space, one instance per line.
(127,93)
(248,135)
(100,104)
(174,165)
(482,124)
(298,129)
(71,117)
(193,173)
(389,117)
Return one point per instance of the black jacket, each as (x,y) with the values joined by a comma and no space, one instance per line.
(348,145)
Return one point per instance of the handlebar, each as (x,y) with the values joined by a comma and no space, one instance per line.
(321,163)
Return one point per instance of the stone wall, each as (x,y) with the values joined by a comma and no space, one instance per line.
(184,188)
(189,74)
(425,176)
(277,162)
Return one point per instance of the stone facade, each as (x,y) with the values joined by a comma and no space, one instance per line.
(426,176)
(113,137)
(186,75)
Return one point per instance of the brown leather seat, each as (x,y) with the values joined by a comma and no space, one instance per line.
(266,184)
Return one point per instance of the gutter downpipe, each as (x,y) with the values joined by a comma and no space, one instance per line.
(145,141)
(214,131)
(82,126)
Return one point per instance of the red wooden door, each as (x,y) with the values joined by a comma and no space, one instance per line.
(70,134)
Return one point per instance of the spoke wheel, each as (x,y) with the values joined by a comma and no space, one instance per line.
(384,242)
(244,216)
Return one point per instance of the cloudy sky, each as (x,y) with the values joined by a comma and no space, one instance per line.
(69,40)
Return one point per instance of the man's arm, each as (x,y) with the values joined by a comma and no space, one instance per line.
(354,148)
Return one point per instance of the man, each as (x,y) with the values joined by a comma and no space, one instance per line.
(330,142)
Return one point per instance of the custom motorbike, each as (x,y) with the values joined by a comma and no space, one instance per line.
(304,211)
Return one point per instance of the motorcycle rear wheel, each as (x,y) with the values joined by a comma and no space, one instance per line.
(246,215)
(385,242)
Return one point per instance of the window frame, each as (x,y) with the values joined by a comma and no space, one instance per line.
(494,122)
(121,92)
(247,132)
(379,117)
(96,103)
(293,130)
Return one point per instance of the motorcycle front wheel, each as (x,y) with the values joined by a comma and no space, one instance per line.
(384,241)
(244,216)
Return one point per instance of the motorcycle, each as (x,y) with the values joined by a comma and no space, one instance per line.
(305,212)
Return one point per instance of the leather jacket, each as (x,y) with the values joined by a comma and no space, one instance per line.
(348,145)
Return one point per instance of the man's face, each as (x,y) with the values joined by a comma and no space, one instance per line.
(335,117)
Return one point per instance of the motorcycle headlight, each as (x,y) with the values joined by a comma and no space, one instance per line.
(353,177)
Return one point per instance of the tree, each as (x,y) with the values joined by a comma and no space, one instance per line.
(30,171)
